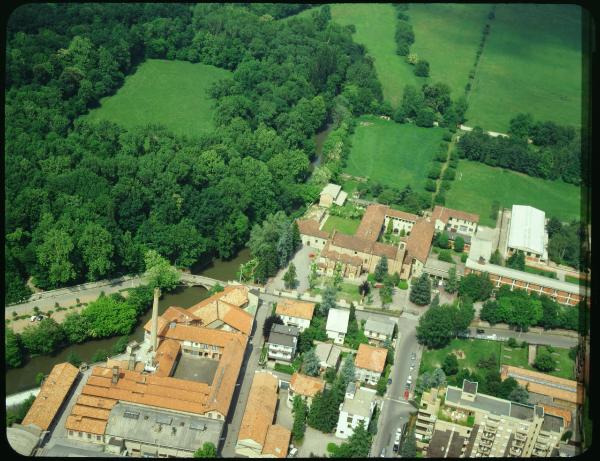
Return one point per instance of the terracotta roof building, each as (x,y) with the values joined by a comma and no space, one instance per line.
(53,393)
(370,363)
(304,386)
(565,393)
(310,233)
(371,223)
(257,437)
(295,313)
(447,215)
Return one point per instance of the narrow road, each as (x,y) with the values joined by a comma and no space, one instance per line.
(15,399)
(395,409)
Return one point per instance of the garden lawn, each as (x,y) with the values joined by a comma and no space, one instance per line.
(477,185)
(532,62)
(375,28)
(576,280)
(448,35)
(477,349)
(392,153)
(343,225)
(170,93)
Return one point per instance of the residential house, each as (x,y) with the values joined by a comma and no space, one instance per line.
(464,423)
(329,355)
(359,405)
(258,437)
(337,324)
(295,313)
(282,342)
(378,331)
(369,363)
(332,194)
(304,386)
(454,220)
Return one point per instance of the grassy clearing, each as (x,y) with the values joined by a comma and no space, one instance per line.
(477,185)
(392,153)
(375,28)
(447,35)
(531,63)
(343,225)
(477,349)
(171,93)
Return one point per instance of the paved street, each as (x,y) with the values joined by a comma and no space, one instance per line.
(395,409)
(545,338)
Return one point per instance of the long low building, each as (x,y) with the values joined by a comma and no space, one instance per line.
(563,392)
(563,292)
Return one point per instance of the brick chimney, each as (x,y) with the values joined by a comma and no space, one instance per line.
(115,374)
(153,340)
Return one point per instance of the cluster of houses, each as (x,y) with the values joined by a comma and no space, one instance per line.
(370,359)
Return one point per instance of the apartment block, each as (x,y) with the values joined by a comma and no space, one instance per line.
(460,422)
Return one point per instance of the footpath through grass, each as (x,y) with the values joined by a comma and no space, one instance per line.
(447,35)
(477,185)
(392,153)
(476,349)
(170,93)
(531,63)
(375,28)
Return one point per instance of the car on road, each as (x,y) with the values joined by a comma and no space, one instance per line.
(412,367)
(389,381)
(35,318)
(413,356)
(293,452)
(382,455)
(397,439)
(406,394)
(480,330)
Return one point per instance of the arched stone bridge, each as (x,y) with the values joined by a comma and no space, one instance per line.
(199,280)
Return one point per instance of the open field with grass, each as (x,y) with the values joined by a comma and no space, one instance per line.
(447,35)
(477,185)
(171,93)
(531,63)
(343,225)
(477,349)
(393,153)
(375,28)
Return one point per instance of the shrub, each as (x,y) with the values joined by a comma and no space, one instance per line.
(445,255)
(449,174)
(422,68)
(14,313)
(447,136)
(430,185)
(403,285)
(512,342)
(99,356)
(463,257)
(434,172)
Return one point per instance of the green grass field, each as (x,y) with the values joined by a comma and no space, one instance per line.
(477,185)
(477,349)
(531,63)
(392,153)
(375,28)
(447,35)
(343,225)
(171,93)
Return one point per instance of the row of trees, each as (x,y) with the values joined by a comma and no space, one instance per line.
(567,243)
(552,156)
(87,199)
(107,316)
(407,199)
(405,37)
(522,310)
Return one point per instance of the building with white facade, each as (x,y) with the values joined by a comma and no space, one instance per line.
(527,232)
(337,324)
(359,405)
(282,343)
(369,363)
(295,313)
(332,194)
(378,331)
(304,386)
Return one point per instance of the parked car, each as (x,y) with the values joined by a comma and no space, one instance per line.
(293,452)
(382,455)
(397,439)
(480,330)
(389,381)
(33,318)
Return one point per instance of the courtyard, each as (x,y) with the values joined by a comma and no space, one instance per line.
(198,369)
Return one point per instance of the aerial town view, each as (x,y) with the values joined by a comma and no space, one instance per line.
(276,230)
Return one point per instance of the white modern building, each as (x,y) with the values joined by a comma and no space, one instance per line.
(527,232)
(282,343)
(295,313)
(332,193)
(337,324)
(358,406)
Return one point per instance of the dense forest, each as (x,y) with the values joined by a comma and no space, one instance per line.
(85,200)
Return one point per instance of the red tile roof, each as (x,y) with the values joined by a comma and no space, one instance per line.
(371,223)
(444,214)
(418,242)
(311,227)
(401,215)
(370,358)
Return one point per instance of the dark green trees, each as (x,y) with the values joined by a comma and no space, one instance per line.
(13,353)
(420,291)
(381,269)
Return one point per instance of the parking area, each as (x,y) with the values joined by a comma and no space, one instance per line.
(198,369)
(302,261)
(315,442)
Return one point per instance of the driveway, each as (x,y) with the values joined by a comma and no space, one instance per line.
(302,262)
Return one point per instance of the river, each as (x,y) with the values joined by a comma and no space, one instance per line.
(320,138)
(21,379)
